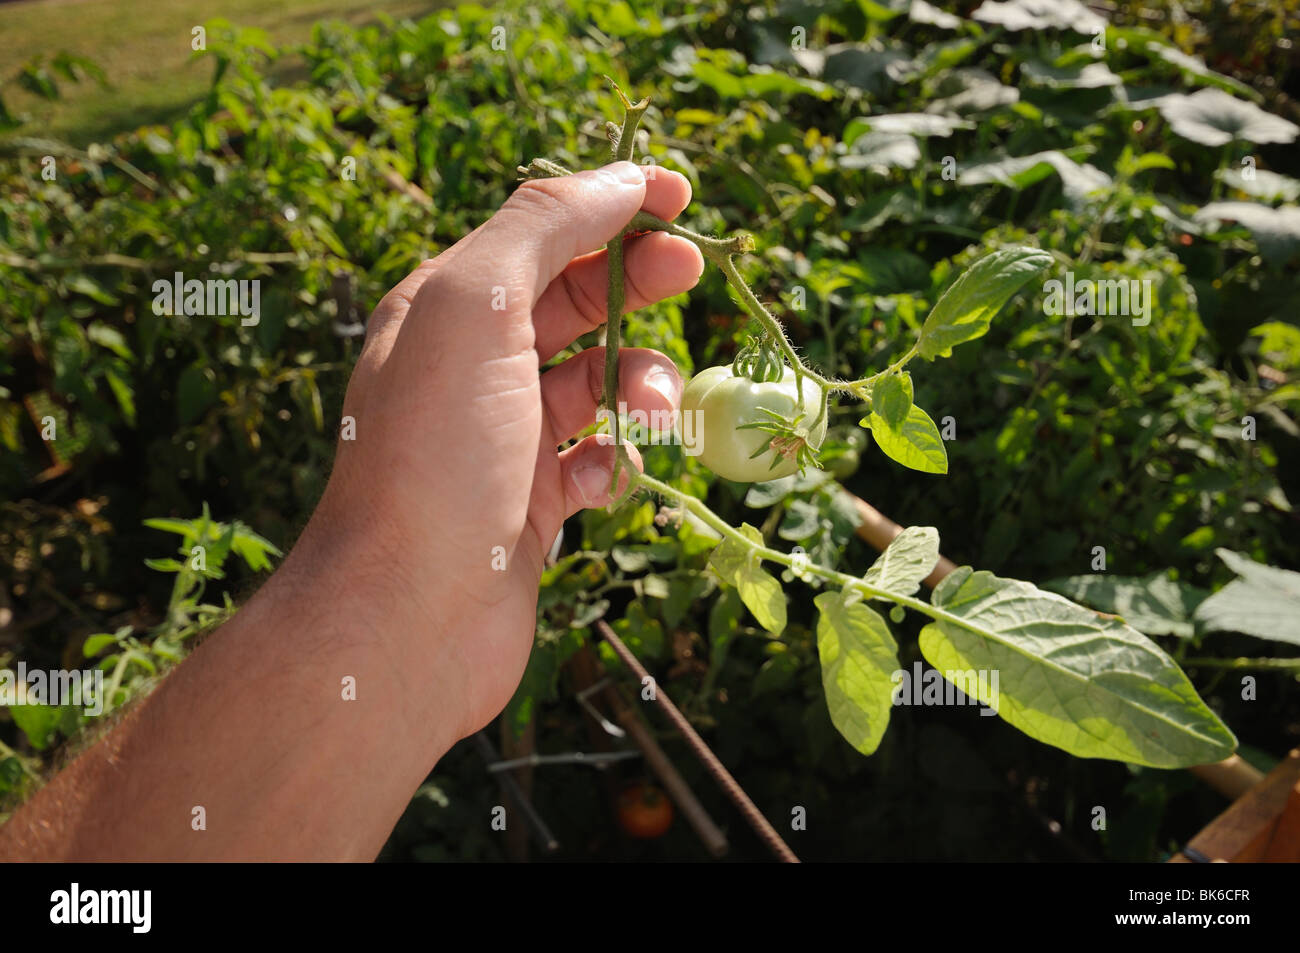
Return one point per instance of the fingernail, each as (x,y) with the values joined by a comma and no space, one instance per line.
(623,174)
(666,382)
(592,482)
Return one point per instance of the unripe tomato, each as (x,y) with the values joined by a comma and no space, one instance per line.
(644,811)
(719,403)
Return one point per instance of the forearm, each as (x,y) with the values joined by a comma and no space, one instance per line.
(257,728)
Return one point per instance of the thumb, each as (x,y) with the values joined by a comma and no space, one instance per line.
(547,223)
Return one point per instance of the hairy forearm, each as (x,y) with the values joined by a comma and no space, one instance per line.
(258,730)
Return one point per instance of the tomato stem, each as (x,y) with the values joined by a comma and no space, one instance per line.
(616,298)
(763,553)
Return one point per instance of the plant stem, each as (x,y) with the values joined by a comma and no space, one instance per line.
(715,522)
(616,297)
(720,251)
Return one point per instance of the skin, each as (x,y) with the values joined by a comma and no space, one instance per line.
(397,579)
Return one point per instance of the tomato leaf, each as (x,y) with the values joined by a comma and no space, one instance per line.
(916,444)
(1090,685)
(730,556)
(762,594)
(736,564)
(858,658)
(891,398)
(966,308)
(906,561)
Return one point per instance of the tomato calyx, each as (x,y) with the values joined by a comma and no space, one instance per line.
(790,441)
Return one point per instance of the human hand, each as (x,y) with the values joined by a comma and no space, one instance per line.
(445,504)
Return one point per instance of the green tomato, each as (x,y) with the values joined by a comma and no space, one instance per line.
(716,402)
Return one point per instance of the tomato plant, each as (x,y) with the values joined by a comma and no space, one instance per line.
(1140,706)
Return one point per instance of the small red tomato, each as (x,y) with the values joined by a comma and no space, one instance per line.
(644,811)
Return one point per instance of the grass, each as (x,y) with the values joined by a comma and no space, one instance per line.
(144,48)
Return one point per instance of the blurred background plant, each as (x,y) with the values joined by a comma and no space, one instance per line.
(328,165)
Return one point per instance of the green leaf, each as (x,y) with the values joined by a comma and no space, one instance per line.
(253,549)
(802,520)
(38,722)
(1131,166)
(910,124)
(1091,686)
(1154,604)
(11,772)
(759,82)
(644,636)
(655,586)
(1019,172)
(122,391)
(1210,117)
(1263,601)
(857,64)
(630,558)
(729,556)
(587,613)
(916,444)
(891,398)
(7,119)
(1034,15)
(1262,184)
(36,79)
(97,643)
(697,117)
(906,561)
(968,306)
(762,594)
(1085,76)
(88,286)
(735,563)
(1193,67)
(922,12)
(1275,230)
(858,657)
(168,525)
(164,565)
(111,338)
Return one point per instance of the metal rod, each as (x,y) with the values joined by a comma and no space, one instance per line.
(596,759)
(714,840)
(710,761)
(541,833)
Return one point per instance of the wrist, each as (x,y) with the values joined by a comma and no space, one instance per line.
(379,621)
